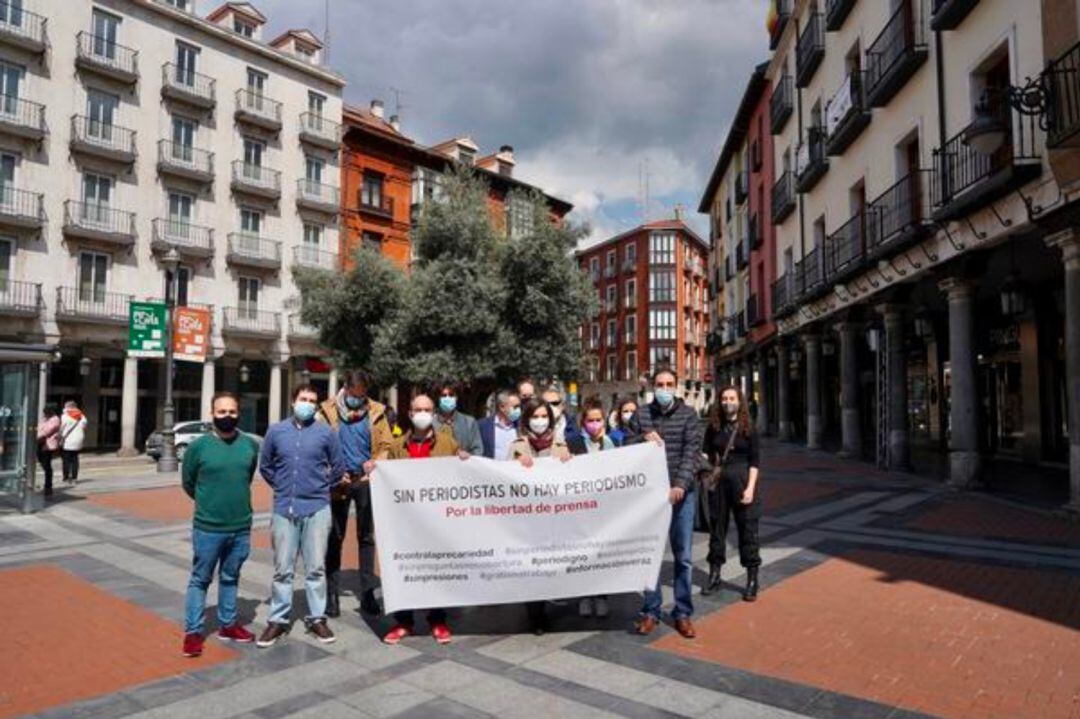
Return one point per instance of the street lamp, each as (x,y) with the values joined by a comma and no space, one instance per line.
(84,366)
(167,460)
(245,373)
(987,133)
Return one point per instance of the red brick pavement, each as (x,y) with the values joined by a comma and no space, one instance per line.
(979,517)
(948,638)
(81,642)
(784,494)
(169,504)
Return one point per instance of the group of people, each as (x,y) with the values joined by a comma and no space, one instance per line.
(60,433)
(320,462)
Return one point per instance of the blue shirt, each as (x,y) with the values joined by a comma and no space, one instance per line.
(355,439)
(301,463)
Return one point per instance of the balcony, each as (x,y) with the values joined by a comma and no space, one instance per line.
(809,280)
(594,276)
(630,302)
(810,50)
(629,267)
(897,218)
(95,53)
(187,86)
(895,55)
(729,268)
(810,161)
(742,187)
(742,255)
(783,17)
(740,324)
(99,223)
(609,271)
(783,197)
(783,295)
(630,339)
(384,207)
(781,104)
(967,180)
(257,109)
(612,342)
(1062,78)
(22,118)
(185,161)
(91,304)
(317,197)
(248,250)
(314,257)
(318,131)
(189,240)
(22,29)
(256,180)
(836,12)
(250,322)
(20,299)
(948,14)
(300,331)
(755,311)
(21,209)
(845,250)
(846,115)
(102,140)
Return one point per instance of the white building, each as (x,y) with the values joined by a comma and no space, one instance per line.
(132,126)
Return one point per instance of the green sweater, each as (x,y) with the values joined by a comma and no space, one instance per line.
(217,475)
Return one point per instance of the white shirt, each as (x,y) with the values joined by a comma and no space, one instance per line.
(504,435)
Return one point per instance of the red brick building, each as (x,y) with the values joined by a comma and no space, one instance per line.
(652,286)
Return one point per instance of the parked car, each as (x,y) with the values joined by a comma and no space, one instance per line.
(185,433)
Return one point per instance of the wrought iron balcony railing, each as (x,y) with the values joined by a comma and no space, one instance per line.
(20,298)
(318,130)
(247,319)
(810,49)
(98,53)
(896,53)
(783,197)
(22,117)
(185,84)
(22,28)
(102,138)
(782,103)
(185,160)
(92,302)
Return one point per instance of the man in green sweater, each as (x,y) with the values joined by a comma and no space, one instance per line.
(217,471)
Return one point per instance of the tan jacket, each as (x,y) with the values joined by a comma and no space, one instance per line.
(381,433)
(520,447)
(445,445)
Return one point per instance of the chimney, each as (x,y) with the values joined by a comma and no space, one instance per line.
(679,210)
(377,108)
(507,150)
(395,122)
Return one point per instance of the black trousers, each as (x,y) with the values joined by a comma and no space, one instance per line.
(723,503)
(45,458)
(434,616)
(69,459)
(365,536)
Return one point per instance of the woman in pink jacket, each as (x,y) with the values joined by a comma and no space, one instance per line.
(48,443)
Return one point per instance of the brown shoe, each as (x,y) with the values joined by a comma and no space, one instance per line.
(685,627)
(322,632)
(272,634)
(646,624)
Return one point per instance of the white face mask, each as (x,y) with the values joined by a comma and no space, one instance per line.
(627,416)
(538,425)
(421,420)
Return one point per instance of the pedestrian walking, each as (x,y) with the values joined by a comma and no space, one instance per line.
(217,471)
(593,439)
(463,426)
(364,432)
(732,445)
(672,424)
(301,461)
(72,437)
(499,430)
(625,422)
(421,441)
(48,443)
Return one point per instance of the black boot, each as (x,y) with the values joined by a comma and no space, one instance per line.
(751,584)
(333,604)
(713,584)
(369,604)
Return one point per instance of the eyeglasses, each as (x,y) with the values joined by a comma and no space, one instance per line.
(555,402)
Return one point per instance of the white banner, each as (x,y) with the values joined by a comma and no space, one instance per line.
(454,532)
(838,107)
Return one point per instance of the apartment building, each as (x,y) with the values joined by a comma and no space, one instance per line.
(928,281)
(387,177)
(653,312)
(135,127)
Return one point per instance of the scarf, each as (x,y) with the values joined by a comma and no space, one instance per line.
(541,443)
(347,415)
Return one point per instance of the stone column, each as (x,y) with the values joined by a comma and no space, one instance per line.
(813,391)
(90,386)
(785,429)
(129,407)
(850,426)
(898,433)
(763,399)
(332,382)
(274,401)
(1069,244)
(208,389)
(964,460)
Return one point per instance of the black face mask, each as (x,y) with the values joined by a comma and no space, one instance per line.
(225,425)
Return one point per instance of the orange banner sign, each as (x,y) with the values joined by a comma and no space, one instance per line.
(191,334)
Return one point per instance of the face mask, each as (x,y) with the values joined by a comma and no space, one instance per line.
(304,411)
(556,410)
(730,408)
(594,426)
(627,416)
(514,414)
(664,396)
(421,420)
(447,404)
(226,424)
(354,402)
(538,425)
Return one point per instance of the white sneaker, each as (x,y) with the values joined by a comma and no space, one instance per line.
(585,607)
(601,607)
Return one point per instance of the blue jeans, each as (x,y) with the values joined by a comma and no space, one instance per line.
(226,550)
(306,536)
(681,535)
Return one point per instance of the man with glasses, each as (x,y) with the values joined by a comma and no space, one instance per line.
(566,426)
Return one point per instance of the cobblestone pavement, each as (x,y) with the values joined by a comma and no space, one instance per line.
(884,596)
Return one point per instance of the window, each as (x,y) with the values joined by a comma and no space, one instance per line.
(11,13)
(631,329)
(7,179)
(313,167)
(662,248)
(97,194)
(93,276)
(183,138)
(631,365)
(631,253)
(315,103)
(612,298)
(105,27)
(186,58)
(371,191)
(372,239)
(101,114)
(181,210)
(466,155)
(250,228)
(612,371)
(256,86)
(661,357)
(305,52)
(243,28)
(312,234)
(594,335)
(253,156)
(178,4)
(249,297)
(519,216)
(661,324)
(183,281)
(662,286)
(630,295)
(594,268)
(10,77)
(426,185)
(611,259)
(7,250)
(612,333)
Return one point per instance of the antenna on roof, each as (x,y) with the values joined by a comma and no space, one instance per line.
(643,189)
(326,32)
(398,104)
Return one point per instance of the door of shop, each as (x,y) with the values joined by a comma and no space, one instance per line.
(19,378)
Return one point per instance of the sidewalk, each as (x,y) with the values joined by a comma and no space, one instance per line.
(885,595)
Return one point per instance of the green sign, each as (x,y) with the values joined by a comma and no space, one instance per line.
(146,329)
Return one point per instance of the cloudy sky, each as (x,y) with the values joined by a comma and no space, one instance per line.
(586,91)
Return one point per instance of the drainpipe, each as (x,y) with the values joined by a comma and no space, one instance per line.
(799,130)
(939,62)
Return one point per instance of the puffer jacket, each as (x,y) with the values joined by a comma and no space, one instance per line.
(683,433)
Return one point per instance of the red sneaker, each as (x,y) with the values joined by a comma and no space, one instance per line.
(235,633)
(442,634)
(193,644)
(395,635)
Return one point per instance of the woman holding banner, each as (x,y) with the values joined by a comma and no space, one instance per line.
(732,446)
(537,438)
(593,438)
